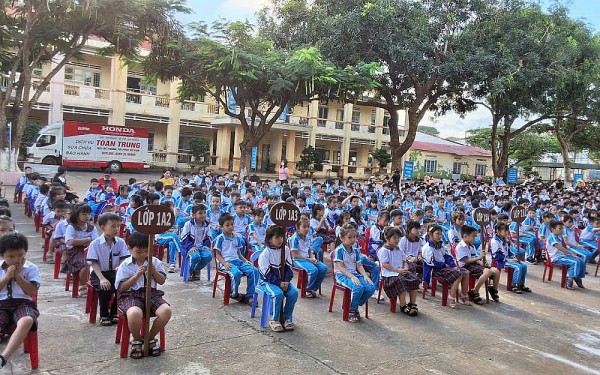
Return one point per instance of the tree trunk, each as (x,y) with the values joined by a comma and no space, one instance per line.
(395,138)
(564,150)
(246,145)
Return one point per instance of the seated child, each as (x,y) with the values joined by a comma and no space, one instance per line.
(170,239)
(257,231)
(269,263)
(319,224)
(105,254)
(79,234)
(505,258)
(303,245)
(589,236)
(439,263)
(411,247)
(350,273)
(19,281)
(560,254)
(397,279)
(195,241)
(228,252)
(7,224)
(467,258)
(376,239)
(571,242)
(131,284)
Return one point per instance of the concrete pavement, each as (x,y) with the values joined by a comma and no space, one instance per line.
(549,331)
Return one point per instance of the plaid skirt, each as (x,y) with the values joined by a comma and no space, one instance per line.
(395,285)
(11,310)
(475,269)
(137,298)
(416,268)
(74,261)
(449,275)
(327,238)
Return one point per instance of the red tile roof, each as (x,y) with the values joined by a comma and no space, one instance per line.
(430,143)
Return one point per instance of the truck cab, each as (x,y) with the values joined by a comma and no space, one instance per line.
(47,148)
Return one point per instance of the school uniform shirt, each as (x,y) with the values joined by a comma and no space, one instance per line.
(465,251)
(60,230)
(314,224)
(394,257)
(269,265)
(553,240)
(454,235)
(569,234)
(500,249)
(75,234)
(121,200)
(350,259)
(213,216)
(331,215)
(228,246)
(544,230)
(30,272)
(50,219)
(529,222)
(129,268)
(375,237)
(240,223)
(411,248)
(195,233)
(588,234)
(259,229)
(91,194)
(302,245)
(107,256)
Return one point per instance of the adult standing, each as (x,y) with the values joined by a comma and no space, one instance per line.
(61,177)
(283,172)
(396,179)
(167,178)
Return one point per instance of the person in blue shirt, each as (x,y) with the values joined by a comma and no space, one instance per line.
(500,249)
(590,235)
(560,254)
(195,242)
(303,245)
(21,183)
(257,231)
(228,249)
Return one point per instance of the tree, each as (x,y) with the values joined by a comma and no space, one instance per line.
(253,81)
(382,156)
(530,54)
(37,32)
(431,130)
(200,148)
(310,159)
(30,134)
(419,44)
(529,146)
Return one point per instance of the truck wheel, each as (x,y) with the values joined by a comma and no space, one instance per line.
(115,166)
(50,160)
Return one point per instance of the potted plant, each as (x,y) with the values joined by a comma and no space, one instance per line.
(310,161)
(383,158)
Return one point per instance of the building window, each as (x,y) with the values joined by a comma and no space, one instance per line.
(386,123)
(322,116)
(82,77)
(373,121)
(356,115)
(480,169)
(456,167)
(339,117)
(430,166)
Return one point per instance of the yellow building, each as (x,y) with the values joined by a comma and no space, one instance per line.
(105,90)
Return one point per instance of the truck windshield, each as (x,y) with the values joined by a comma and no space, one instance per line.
(45,140)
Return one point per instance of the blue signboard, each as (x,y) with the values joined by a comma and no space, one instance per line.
(513,175)
(253,158)
(231,104)
(577,177)
(594,174)
(409,168)
(284,114)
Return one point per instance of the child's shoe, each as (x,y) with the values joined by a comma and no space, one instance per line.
(288,325)
(524,288)
(275,326)
(493,293)
(531,260)
(579,282)
(569,284)
(171,268)
(354,317)
(516,289)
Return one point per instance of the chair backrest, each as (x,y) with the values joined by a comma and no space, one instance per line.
(367,236)
(453,252)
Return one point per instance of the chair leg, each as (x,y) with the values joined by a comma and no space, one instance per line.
(597,267)
(162,337)
(124,338)
(331,298)
(424,289)
(75,291)
(510,272)
(544,274)
(32,339)
(367,309)
(346,305)
(119,330)
(57,260)
(253,309)
(550,272)
(444,294)
(563,279)
(93,306)
(88,300)
(265,310)
(215,285)
(433,286)
(227,290)
(393,303)
(379,291)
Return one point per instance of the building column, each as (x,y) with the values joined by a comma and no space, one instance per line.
(223,146)
(237,153)
(173,127)
(276,146)
(313,114)
(290,151)
(379,117)
(57,88)
(118,74)
(345,152)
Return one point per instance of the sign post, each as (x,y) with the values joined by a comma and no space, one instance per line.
(151,220)
(512,175)
(285,215)
(482,217)
(518,215)
(409,168)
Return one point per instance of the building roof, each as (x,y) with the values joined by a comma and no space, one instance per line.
(426,142)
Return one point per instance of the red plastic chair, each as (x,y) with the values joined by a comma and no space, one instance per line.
(367,239)
(549,267)
(302,282)
(20,197)
(123,334)
(159,251)
(393,301)
(434,282)
(73,278)
(509,274)
(37,220)
(30,345)
(226,277)
(57,260)
(597,264)
(346,300)
(472,279)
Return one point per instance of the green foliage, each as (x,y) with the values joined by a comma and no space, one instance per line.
(431,130)
(29,136)
(200,148)
(382,156)
(310,159)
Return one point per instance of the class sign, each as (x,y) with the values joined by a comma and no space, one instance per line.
(482,216)
(285,214)
(518,214)
(153,219)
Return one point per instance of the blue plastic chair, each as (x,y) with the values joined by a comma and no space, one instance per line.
(265,308)
(185,268)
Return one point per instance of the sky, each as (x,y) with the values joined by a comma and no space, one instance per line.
(450,125)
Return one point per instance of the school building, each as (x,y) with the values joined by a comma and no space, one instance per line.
(105,90)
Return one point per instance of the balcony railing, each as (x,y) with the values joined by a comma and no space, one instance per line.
(188,106)
(86,92)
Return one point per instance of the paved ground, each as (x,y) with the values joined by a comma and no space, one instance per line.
(551,331)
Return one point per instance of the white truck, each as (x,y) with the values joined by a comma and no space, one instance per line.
(81,144)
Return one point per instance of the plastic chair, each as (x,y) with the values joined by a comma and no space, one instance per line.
(20,197)
(184,268)
(597,264)
(159,251)
(37,220)
(91,302)
(57,260)
(302,282)
(123,334)
(393,301)
(434,282)
(227,278)
(549,267)
(267,302)
(346,300)
(30,344)
(509,274)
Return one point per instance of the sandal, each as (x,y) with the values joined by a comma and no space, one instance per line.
(136,350)
(452,302)
(405,309)
(524,288)
(115,319)
(516,289)
(464,299)
(154,348)
(275,326)
(413,309)
(494,293)
(475,296)
(288,325)
(105,321)
(353,317)
(311,294)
